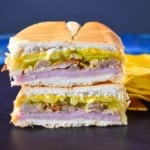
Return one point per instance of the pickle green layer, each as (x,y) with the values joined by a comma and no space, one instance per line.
(111,102)
(28,61)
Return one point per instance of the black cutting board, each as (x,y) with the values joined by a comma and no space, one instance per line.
(135,136)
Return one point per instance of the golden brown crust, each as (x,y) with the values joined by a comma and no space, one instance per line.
(24,89)
(45,32)
(99,33)
(93,32)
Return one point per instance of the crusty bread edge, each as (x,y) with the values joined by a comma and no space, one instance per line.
(15,45)
(67,123)
(115,90)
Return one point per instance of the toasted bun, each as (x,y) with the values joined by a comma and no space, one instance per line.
(107,89)
(73,27)
(45,32)
(66,123)
(116,90)
(95,32)
(62,34)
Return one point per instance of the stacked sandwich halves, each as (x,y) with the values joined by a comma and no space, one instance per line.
(71,76)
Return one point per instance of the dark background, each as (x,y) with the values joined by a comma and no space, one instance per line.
(124,16)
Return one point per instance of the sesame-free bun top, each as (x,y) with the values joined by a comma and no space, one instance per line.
(59,33)
(98,33)
(45,32)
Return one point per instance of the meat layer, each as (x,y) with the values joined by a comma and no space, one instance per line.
(64,77)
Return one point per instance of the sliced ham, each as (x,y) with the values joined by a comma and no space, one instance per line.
(65,73)
(69,116)
(37,111)
(74,72)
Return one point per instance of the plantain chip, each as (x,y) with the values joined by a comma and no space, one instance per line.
(138,60)
(138,91)
(128,79)
(139,82)
(137,71)
(137,105)
(133,95)
(137,65)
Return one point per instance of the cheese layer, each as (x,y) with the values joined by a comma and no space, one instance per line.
(28,61)
(111,102)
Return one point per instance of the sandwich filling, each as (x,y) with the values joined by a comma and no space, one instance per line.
(61,107)
(65,64)
(85,58)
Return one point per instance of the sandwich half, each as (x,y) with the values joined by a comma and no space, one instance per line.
(96,105)
(65,54)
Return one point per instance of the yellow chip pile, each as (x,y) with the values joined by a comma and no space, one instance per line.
(137,80)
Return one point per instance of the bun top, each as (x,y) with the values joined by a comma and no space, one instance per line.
(45,32)
(60,33)
(98,33)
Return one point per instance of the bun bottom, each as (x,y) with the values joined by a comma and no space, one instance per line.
(66,123)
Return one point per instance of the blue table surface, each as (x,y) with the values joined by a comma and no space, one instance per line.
(134,44)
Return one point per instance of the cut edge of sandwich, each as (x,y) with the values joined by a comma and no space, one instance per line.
(80,117)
